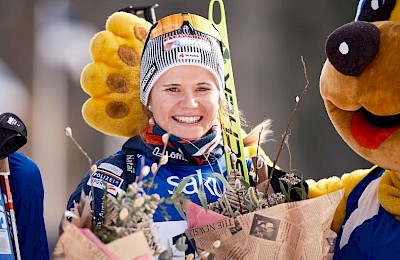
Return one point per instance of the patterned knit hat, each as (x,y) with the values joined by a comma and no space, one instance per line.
(180,39)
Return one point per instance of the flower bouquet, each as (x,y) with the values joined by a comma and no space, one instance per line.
(291,230)
(127,221)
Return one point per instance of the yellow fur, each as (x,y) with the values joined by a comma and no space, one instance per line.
(327,185)
(389,192)
(112,79)
(395,15)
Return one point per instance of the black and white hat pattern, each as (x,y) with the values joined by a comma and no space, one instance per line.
(185,46)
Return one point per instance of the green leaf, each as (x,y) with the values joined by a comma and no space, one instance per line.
(178,207)
(283,190)
(202,196)
(247,205)
(301,192)
(245,184)
(223,180)
(305,194)
(166,254)
(180,244)
(166,216)
(182,184)
(181,247)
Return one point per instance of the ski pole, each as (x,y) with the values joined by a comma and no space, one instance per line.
(5,172)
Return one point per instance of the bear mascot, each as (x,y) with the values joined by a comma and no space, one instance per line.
(360,87)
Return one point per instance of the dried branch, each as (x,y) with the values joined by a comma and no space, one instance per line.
(285,133)
(92,167)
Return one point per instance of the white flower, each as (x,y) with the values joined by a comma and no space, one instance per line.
(68,131)
(297,99)
(138,202)
(227,149)
(216,244)
(155,196)
(233,158)
(93,169)
(189,257)
(163,160)
(145,171)
(165,138)
(238,185)
(154,168)
(123,214)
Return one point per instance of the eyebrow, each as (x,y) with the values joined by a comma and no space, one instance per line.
(170,85)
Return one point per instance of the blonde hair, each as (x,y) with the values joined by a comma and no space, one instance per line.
(260,134)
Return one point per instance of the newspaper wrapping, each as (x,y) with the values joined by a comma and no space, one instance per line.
(294,230)
(80,243)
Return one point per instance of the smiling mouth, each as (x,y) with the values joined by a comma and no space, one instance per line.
(187,119)
(370,130)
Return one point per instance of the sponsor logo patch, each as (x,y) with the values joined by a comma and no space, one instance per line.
(173,155)
(111,168)
(189,55)
(103,179)
(181,40)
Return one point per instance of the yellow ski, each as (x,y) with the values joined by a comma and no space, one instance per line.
(231,129)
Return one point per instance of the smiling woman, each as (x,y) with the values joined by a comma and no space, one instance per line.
(181,91)
(184,101)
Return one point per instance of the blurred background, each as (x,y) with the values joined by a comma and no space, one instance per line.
(44,45)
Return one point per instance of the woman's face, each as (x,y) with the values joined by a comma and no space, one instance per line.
(185,101)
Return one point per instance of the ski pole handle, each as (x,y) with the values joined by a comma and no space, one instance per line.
(5,172)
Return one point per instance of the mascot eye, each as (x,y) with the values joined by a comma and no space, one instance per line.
(344,48)
(353,46)
(374,10)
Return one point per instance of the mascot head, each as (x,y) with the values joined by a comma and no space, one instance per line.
(360,82)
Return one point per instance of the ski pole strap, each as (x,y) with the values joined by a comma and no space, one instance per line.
(231,129)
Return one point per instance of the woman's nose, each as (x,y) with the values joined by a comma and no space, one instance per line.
(352,47)
(189,100)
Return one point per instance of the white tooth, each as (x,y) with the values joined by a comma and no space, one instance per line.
(188,119)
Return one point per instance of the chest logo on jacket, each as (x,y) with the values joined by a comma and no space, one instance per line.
(171,154)
(211,184)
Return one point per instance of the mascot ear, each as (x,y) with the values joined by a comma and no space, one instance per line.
(373,10)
